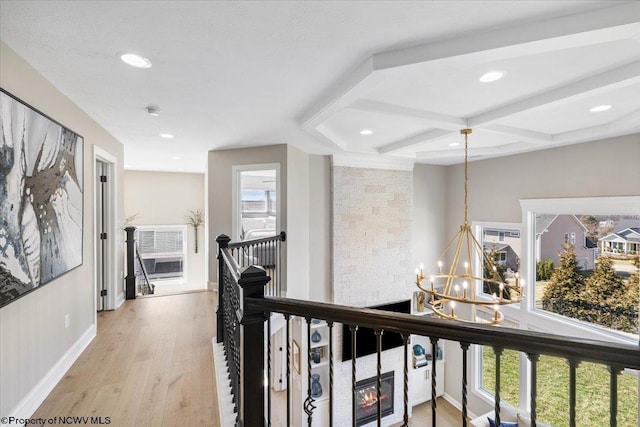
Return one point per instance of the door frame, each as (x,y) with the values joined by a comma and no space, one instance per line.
(110,260)
(235,195)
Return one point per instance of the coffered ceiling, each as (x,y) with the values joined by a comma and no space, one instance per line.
(315,74)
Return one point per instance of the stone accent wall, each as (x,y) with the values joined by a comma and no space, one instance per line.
(372,254)
(372,211)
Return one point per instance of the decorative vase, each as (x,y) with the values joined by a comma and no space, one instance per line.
(315,353)
(315,321)
(316,337)
(316,388)
(439,353)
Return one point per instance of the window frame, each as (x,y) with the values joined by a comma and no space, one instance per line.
(185,245)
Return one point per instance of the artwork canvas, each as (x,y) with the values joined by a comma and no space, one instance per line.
(41,199)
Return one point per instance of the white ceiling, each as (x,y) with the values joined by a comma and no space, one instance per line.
(314,73)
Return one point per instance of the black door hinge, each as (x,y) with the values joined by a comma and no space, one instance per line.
(103,236)
(103,178)
(103,293)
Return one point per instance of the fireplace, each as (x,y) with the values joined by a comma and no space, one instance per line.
(366,398)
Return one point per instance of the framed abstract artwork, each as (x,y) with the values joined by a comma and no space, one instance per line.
(41,199)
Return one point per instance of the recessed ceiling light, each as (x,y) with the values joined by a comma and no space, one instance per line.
(600,108)
(454,144)
(166,136)
(180,169)
(176,157)
(135,60)
(366,132)
(491,76)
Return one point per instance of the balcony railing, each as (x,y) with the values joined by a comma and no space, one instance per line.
(244,317)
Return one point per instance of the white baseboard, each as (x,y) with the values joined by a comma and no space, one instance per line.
(457,405)
(119,300)
(30,403)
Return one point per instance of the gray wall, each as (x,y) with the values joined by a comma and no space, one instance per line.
(164,198)
(320,228)
(594,169)
(33,339)
(219,185)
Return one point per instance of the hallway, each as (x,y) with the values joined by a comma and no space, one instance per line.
(151,364)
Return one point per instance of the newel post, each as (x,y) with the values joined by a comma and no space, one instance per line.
(223,242)
(253,280)
(130,279)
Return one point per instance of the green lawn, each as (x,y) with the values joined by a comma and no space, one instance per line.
(592,386)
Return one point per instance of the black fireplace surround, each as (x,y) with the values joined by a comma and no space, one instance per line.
(366,398)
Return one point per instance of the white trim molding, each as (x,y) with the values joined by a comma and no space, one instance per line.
(30,403)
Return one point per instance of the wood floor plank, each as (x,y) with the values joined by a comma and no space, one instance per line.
(151,364)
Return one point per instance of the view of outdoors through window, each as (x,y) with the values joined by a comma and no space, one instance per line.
(258,204)
(587,268)
(592,385)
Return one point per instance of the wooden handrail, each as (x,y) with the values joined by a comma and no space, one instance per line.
(531,342)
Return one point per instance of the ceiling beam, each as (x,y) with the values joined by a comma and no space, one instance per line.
(621,76)
(432,135)
(556,33)
(431,119)
(523,135)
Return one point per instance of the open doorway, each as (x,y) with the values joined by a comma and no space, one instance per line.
(256,201)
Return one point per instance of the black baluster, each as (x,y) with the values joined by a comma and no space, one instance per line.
(613,395)
(533,358)
(465,349)
(378,333)
(573,364)
(434,350)
(405,380)
(330,324)
(308,403)
(496,407)
(354,398)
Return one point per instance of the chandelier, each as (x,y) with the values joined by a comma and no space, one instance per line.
(452,291)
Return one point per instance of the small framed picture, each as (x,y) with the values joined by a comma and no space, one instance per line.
(295,350)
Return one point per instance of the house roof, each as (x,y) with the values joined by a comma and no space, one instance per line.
(633,224)
(496,246)
(543,221)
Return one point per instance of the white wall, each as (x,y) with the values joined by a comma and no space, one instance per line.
(594,169)
(35,347)
(165,198)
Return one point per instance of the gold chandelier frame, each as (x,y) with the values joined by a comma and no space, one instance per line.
(452,293)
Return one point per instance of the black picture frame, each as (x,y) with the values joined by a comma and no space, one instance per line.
(41,199)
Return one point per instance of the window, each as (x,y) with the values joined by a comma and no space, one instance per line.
(163,251)
(501,243)
(255,204)
(574,281)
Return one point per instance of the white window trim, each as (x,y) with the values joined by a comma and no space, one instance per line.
(185,267)
(235,199)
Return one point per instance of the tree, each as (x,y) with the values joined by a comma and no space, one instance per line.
(566,281)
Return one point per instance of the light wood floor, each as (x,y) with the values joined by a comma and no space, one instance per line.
(151,364)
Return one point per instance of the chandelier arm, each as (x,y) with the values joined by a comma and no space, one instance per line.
(454,263)
(444,252)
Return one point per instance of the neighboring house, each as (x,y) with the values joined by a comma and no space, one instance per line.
(553,231)
(625,238)
(506,243)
